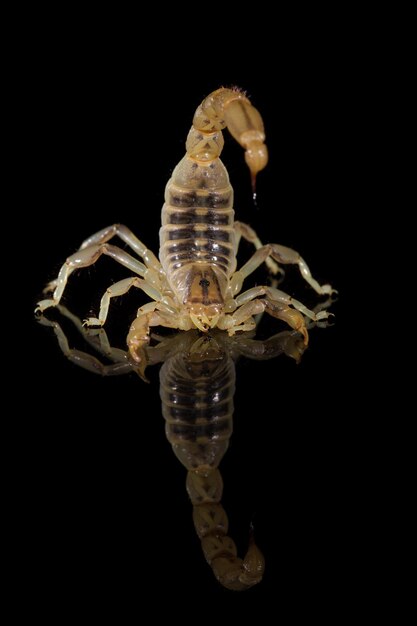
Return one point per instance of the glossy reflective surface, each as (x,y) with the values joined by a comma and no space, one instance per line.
(197,388)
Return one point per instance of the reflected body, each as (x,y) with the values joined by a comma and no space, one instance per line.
(197,388)
(195,283)
(197,385)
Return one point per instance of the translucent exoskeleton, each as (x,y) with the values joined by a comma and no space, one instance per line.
(195,282)
(197,385)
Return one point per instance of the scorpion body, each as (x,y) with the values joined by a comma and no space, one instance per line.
(194,283)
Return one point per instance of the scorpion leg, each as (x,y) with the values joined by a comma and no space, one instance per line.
(119,289)
(126,235)
(283,255)
(97,338)
(286,342)
(121,364)
(84,258)
(242,318)
(247,232)
(277,303)
(276,295)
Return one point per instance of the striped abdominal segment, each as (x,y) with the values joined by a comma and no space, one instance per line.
(197,404)
(197,239)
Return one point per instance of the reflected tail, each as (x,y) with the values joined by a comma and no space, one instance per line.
(205,488)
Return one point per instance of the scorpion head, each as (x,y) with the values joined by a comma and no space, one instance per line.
(203,295)
(205,317)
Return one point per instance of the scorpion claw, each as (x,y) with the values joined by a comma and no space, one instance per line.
(295,348)
(141,372)
(136,350)
(138,355)
(304,332)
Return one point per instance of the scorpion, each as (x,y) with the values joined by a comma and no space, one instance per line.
(197,385)
(195,283)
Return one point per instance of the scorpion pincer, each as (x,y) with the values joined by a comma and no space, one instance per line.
(195,283)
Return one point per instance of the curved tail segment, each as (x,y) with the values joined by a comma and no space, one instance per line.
(232,109)
(205,488)
(197,388)
(198,216)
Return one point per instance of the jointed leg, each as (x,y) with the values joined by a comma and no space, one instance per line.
(283,255)
(128,237)
(97,337)
(247,232)
(242,318)
(119,289)
(275,302)
(276,295)
(84,258)
(286,342)
(121,364)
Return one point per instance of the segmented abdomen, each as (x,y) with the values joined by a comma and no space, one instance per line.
(197,404)
(197,218)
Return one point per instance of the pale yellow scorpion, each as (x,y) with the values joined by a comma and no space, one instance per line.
(195,284)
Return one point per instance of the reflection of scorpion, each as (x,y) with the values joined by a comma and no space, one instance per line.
(197,383)
(195,283)
(197,386)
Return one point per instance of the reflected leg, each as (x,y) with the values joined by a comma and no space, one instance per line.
(85,360)
(286,342)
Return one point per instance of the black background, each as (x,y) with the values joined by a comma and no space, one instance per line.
(105,494)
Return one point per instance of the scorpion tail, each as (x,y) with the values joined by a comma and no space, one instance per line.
(232,109)
(205,488)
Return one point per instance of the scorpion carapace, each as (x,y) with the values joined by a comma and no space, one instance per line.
(197,384)
(232,109)
(195,284)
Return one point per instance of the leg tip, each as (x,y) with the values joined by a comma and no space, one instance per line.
(93,321)
(327,290)
(43,305)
